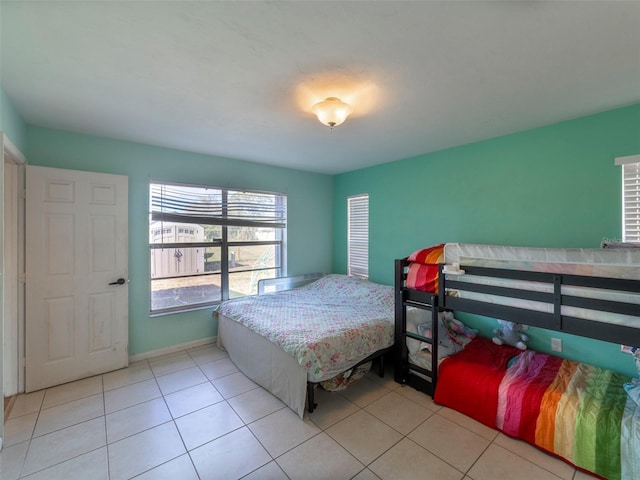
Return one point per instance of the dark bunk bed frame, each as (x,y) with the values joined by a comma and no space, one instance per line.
(609,332)
(406,372)
(530,384)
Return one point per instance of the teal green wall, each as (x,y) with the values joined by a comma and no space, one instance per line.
(555,186)
(309,232)
(11,124)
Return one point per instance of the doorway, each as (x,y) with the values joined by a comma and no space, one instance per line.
(12,165)
(13,273)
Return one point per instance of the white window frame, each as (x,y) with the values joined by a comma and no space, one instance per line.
(224,210)
(630,197)
(358,235)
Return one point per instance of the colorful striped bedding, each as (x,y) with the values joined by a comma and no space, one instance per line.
(575,411)
(423,270)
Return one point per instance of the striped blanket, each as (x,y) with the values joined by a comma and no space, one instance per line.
(575,411)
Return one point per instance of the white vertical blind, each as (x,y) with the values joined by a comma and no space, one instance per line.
(630,197)
(358,236)
(631,202)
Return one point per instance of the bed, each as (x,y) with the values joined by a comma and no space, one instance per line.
(289,341)
(578,412)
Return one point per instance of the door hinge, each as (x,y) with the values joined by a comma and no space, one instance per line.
(22,278)
(23,362)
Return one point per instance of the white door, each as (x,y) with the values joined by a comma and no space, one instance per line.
(76,275)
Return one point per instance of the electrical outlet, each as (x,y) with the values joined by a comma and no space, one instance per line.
(556,344)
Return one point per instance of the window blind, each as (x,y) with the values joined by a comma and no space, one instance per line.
(631,202)
(358,236)
(630,197)
(210,206)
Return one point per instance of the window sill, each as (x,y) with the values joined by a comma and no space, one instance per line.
(182,310)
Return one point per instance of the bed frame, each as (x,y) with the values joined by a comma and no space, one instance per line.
(624,334)
(377,356)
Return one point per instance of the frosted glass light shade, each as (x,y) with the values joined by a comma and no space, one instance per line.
(332,111)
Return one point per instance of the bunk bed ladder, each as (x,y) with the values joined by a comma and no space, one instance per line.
(406,372)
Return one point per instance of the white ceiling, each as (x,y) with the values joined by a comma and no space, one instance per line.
(237,79)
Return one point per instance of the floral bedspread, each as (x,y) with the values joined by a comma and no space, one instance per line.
(327,326)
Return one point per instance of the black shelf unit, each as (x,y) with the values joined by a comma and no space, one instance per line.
(406,372)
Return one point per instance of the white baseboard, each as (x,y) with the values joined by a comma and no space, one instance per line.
(172,349)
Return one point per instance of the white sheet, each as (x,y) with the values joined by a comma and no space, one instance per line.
(265,363)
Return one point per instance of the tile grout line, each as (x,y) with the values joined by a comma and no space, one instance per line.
(106,433)
(175,425)
(387,390)
(26,455)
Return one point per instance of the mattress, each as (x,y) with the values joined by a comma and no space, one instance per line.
(595,262)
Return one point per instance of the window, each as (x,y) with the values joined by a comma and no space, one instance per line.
(209,244)
(630,197)
(358,236)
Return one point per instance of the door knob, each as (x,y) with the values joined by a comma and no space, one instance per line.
(120,281)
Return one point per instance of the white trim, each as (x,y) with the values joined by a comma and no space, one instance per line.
(172,349)
(627,159)
(16,155)
(11,271)
(10,154)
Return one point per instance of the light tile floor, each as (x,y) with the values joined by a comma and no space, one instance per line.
(193,415)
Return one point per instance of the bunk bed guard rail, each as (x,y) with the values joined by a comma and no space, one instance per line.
(628,334)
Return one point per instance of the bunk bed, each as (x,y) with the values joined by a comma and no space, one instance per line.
(575,411)
(289,340)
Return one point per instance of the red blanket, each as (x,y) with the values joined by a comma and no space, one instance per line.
(478,369)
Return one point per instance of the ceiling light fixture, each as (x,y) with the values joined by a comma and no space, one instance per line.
(332,111)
